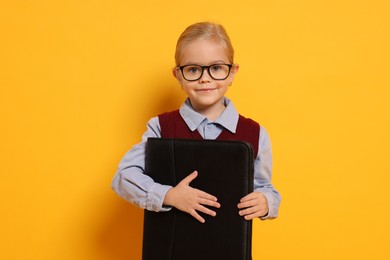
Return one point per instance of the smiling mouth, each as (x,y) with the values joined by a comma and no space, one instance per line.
(205,89)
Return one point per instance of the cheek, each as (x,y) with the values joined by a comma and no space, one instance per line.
(187,91)
(182,82)
(178,77)
(225,85)
(187,85)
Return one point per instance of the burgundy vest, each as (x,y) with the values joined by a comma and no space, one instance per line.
(173,126)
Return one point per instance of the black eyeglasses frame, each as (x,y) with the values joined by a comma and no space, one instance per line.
(203,68)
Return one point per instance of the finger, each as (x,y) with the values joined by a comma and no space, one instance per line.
(197,216)
(205,195)
(254,212)
(250,196)
(210,203)
(247,204)
(206,210)
(187,180)
(248,211)
(252,216)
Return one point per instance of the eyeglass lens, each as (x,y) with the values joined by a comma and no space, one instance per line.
(216,71)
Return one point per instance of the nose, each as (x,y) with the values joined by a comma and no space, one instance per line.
(205,75)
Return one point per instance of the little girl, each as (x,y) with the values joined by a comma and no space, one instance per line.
(205,70)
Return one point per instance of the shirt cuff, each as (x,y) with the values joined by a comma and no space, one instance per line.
(155,197)
(272,210)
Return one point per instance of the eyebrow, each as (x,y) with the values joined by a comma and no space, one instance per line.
(214,62)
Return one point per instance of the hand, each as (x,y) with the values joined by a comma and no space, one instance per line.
(253,205)
(191,200)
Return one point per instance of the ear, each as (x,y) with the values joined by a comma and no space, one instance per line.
(235,68)
(233,71)
(175,72)
(177,75)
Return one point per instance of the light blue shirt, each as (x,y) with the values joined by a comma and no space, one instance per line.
(131,184)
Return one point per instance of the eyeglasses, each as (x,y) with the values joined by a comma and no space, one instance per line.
(195,72)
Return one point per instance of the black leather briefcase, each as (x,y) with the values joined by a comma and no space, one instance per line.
(225,170)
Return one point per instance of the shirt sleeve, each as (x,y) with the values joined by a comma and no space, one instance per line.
(263,175)
(130,181)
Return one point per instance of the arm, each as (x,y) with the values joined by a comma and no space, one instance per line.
(134,186)
(130,182)
(264,201)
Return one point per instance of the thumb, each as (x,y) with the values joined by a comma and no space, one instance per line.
(187,180)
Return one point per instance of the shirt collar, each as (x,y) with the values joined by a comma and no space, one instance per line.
(228,119)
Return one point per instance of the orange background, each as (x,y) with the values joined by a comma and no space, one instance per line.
(80,79)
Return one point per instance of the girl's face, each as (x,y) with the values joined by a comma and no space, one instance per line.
(205,93)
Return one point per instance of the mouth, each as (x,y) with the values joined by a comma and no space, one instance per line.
(205,89)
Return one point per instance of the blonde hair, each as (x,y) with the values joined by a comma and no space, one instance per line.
(205,31)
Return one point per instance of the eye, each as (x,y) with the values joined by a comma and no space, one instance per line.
(216,67)
(192,69)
